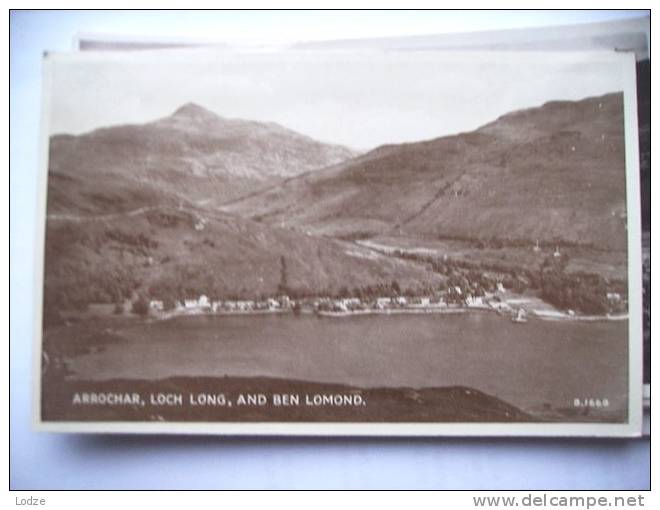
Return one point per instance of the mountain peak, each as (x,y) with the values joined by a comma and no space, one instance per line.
(193,110)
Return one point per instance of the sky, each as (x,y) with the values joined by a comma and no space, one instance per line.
(358,100)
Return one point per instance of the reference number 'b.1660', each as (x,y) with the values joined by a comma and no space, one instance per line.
(591,402)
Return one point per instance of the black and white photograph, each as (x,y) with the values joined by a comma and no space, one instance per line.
(341,242)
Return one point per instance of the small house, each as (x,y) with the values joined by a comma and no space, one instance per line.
(340,305)
(382,302)
(471,300)
(245,305)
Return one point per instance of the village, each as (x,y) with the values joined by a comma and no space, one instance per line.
(477,295)
(515,306)
(453,299)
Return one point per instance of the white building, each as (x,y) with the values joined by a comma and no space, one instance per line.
(474,300)
(420,302)
(245,305)
(381,302)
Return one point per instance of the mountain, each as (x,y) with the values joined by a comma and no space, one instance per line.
(555,173)
(194,156)
(134,218)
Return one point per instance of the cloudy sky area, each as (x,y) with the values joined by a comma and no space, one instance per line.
(358,100)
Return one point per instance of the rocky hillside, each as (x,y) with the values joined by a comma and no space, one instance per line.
(194,156)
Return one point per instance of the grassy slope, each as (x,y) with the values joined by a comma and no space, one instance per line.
(231,256)
(553,172)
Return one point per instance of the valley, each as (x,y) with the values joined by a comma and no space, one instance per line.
(195,204)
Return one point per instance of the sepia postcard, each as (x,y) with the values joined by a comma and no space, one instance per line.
(340,243)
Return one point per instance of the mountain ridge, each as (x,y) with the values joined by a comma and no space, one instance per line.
(192,155)
(554,173)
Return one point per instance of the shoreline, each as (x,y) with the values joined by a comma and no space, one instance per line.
(163,316)
(395,311)
(532,314)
